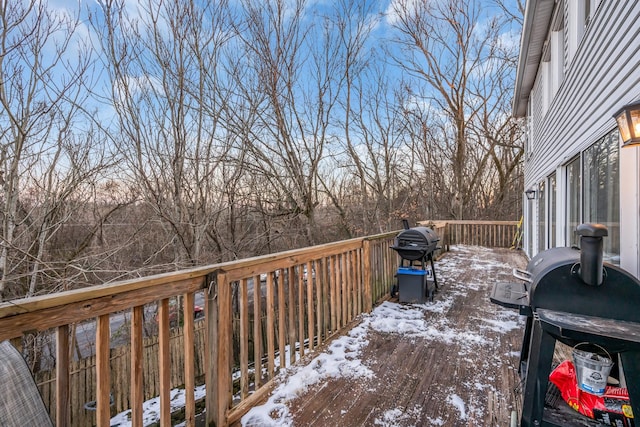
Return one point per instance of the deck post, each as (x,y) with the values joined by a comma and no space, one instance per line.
(164,362)
(366,265)
(137,373)
(189,357)
(218,348)
(103,371)
(224,348)
(211,350)
(62,376)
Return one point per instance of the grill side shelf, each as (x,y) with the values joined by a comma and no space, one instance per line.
(510,295)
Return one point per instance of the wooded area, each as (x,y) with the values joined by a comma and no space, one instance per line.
(151,139)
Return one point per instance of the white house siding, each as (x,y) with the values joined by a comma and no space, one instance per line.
(602,75)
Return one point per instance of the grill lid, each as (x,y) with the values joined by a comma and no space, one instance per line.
(578,281)
(562,289)
(415,243)
(549,260)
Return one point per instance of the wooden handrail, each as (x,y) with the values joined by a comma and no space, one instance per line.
(257,310)
(465,221)
(276,260)
(480,233)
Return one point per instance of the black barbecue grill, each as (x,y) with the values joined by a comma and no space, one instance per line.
(415,246)
(416,243)
(572,296)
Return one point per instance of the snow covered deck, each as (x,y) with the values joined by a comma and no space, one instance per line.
(452,362)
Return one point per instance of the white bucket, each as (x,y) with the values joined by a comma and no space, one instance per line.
(592,369)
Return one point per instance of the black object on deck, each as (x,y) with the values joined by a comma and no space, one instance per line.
(415,245)
(572,296)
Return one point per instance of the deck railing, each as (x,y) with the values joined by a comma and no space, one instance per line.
(261,314)
(292,301)
(493,234)
(308,296)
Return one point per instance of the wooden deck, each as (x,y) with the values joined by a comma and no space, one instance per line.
(456,365)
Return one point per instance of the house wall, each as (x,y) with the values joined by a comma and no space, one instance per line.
(629,211)
(603,75)
(571,110)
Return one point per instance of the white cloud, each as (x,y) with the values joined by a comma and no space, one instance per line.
(400,7)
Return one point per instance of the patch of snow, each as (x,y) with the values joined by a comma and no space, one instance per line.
(499,325)
(440,306)
(393,318)
(151,408)
(480,386)
(457,401)
(395,417)
(340,360)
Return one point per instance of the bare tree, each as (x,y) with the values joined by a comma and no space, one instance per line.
(48,154)
(501,138)
(513,10)
(168,92)
(427,156)
(451,55)
(289,137)
(383,163)
(242,128)
(369,143)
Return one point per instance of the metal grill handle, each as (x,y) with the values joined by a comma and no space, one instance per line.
(518,273)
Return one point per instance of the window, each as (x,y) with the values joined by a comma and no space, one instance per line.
(584,16)
(578,15)
(601,166)
(587,12)
(541,214)
(557,59)
(528,132)
(593,193)
(573,201)
(552,211)
(547,86)
(530,226)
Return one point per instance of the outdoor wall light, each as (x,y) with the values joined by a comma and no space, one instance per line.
(628,119)
(531,194)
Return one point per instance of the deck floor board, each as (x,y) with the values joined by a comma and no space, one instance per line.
(462,373)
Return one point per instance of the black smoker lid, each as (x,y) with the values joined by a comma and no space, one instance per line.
(418,234)
(550,259)
(561,289)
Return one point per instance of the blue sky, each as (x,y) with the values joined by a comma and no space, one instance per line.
(376,51)
(382,16)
